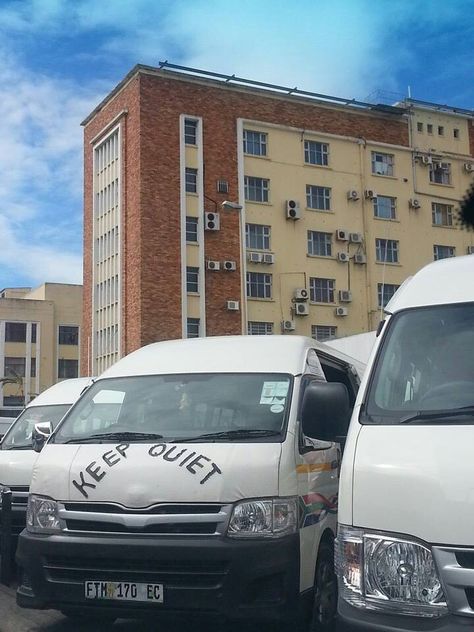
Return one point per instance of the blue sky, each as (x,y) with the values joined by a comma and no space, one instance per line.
(58,58)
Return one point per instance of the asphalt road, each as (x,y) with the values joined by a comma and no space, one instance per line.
(14,619)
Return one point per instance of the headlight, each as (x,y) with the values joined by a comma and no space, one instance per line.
(42,515)
(266,518)
(380,571)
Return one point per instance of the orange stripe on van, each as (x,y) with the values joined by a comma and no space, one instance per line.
(305,468)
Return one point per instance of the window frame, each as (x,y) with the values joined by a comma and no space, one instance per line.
(13,372)
(436,248)
(392,210)
(316,194)
(260,143)
(259,285)
(14,325)
(190,323)
(66,362)
(391,246)
(382,294)
(264,239)
(442,169)
(260,187)
(194,134)
(332,333)
(63,327)
(192,279)
(191,180)
(387,162)
(266,326)
(317,150)
(319,240)
(442,211)
(327,288)
(194,222)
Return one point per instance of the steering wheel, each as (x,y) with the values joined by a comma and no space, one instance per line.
(451,394)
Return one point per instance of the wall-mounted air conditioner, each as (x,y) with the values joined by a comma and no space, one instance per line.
(229,266)
(370,194)
(342,234)
(211,221)
(343,257)
(360,258)
(255,257)
(301,309)
(293,210)
(341,311)
(414,203)
(288,325)
(469,167)
(268,258)
(345,296)
(301,294)
(353,195)
(233,306)
(213,265)
(356,238)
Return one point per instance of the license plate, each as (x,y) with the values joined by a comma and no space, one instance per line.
(124,591)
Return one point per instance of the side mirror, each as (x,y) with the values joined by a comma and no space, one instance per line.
(40,434)
(326,411)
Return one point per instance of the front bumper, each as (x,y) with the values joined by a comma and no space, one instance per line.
(366,620)
(214,576)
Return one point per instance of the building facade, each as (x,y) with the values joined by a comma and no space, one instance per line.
(333,204)
(40,334)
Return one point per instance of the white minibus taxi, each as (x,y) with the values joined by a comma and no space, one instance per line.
(209,485)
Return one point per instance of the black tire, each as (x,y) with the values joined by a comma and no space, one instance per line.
(325,591)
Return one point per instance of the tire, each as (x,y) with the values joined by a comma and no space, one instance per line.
(325,591)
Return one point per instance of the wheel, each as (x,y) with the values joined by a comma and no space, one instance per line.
(81,616)
(325,591)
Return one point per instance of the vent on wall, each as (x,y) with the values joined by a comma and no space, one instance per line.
(222,186)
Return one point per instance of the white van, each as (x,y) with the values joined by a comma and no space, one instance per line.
(195,489)
(17,456)
(406,507)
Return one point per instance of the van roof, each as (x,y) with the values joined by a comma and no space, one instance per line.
(438,283)
(224,354)
(65,392)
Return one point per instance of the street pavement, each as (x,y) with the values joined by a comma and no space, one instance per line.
(15,619)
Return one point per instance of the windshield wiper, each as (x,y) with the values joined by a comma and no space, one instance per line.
(116,436)
(231,434)
(437,415)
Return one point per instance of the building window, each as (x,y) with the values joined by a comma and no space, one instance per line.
(442,214)
(190,131)
(318,198)
(316,153)
(382,164)
(319,244)
(255,328)
(429,128)
(419,127)
(259,285)
(15,332)
(68,335)
(385,207)
(385,292)
(323,332)
(192,280)
(256,189)
(192,327)
(440,130)
(68,369)
(257,237)
(33,333)
(321,290)
(191,229)
(13,400)
(443,252)
(191,180)
(33,367)
(456,132)
(386,250)
(14,367)
(440,173)
(255,143)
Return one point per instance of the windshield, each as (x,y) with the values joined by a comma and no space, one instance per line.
(180,408)
(426,364)
(19,435)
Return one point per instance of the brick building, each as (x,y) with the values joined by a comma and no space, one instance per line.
(334,204)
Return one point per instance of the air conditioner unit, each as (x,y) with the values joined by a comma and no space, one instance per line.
(345,296)
(352,195)
(301,294)
(213,265)
(356,238)
(233,306)
(268,257)
(293,209)
(414,203)
(470,250)
(211,221)
(469,167)
(360,258)
(230,266)
(343,257)
(426,160)
(341,311)
(288,325)
(301,309)
(342,234)
(370,194)
(255,257)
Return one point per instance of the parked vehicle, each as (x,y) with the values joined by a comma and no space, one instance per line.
(195,476)
(5,423)
(17,456)
(405,541)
